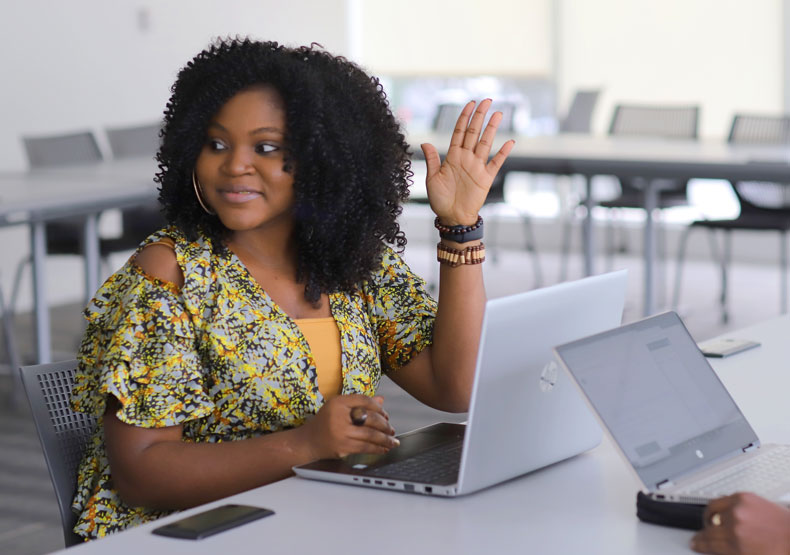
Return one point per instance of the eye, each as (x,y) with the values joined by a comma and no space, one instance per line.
(266,148)
(216,145)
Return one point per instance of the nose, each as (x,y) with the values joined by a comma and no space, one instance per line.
(237,161)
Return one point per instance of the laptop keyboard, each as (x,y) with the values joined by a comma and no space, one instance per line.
(767,474)
(438,465)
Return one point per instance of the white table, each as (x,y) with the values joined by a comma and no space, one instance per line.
(583,505)
(37,197)
(587,155)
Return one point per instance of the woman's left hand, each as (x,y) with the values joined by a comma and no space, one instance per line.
(458,186)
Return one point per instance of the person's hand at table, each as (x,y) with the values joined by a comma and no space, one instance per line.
(350,424)
(744,523)
(457,187)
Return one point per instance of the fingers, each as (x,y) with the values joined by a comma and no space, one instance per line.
(461,125)
(472,134)
(432,160)
(495,164)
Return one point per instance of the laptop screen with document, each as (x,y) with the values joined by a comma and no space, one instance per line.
(658,397)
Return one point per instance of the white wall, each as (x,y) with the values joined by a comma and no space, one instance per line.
(725,55)
(456,37)
(91,63)
(94,63)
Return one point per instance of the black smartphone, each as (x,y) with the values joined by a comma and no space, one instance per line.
(213,521)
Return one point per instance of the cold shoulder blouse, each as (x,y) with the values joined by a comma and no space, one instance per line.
(220,358)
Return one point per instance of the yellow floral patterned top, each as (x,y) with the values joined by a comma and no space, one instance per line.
(219,357)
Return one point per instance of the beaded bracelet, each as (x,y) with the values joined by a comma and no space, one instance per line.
(460,233)
(456,257)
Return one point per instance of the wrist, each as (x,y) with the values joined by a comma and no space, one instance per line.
(460,233)
(466,255)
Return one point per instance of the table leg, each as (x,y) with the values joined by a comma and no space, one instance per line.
(38,248)
(90,241)
(651,201)
(589,240)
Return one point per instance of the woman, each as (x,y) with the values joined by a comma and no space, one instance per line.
(250,335)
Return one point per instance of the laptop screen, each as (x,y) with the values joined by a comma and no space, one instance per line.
(659,398)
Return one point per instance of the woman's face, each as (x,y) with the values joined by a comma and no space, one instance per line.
(240,166)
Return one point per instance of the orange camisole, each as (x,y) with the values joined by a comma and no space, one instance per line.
(323,336)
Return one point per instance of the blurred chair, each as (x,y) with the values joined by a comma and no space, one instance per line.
(578,118)
(647,122)
(61,150)
(9,339)
(141,141)
(444,121)
(65,235)
(765,206)
(651,122)
(134,142)
(64,434)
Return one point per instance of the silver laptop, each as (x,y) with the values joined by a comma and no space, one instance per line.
(670,416)
(524,413)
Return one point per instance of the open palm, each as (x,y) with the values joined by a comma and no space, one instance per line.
(457,187)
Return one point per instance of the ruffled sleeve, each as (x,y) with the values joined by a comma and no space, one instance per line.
(139,346)
(401,310)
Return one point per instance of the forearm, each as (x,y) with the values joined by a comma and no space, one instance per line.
(177,474)
(456,333)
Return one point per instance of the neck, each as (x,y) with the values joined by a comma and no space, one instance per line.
(274,251)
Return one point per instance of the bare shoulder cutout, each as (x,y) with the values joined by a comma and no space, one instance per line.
(159,260)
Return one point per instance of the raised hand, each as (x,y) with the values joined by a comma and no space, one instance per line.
(458,186)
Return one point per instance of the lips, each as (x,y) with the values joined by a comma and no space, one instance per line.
(238,195)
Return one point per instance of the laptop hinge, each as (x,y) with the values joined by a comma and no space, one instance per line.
(664,484)
(750,447)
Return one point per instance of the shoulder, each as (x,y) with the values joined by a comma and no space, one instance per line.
(157,258)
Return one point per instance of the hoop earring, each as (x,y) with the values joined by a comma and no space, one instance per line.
(199,195)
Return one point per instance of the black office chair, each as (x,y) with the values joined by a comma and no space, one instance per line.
(444,121)
(765,206)
(140,141)
(64,434)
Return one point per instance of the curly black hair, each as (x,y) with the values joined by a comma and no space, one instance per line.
(349,157)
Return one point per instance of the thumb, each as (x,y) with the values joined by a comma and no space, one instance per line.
(432,161)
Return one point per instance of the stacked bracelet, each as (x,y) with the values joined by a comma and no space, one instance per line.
(460,233)
(456,257)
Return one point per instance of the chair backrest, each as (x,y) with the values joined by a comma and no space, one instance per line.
(447,114)
(578,119)
(59,150)
(134,142)
(761,130)
(64,434)
(670,122)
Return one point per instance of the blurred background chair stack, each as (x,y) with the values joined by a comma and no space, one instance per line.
(764,206)
(444,123)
